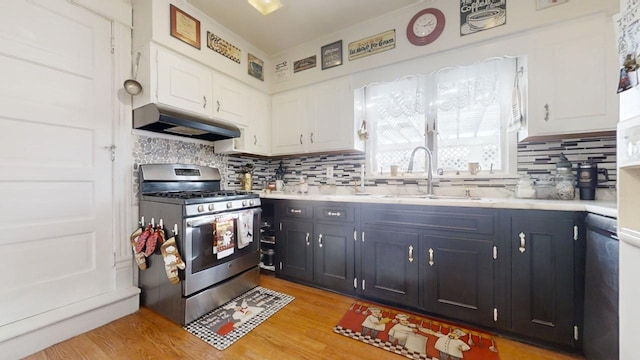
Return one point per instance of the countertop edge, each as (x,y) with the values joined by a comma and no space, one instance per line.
(603,208)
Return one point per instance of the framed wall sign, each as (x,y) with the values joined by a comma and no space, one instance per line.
(255,67)
(331,55)
(304,64)
(185,27)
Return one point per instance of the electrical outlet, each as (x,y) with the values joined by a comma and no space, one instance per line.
(329,172)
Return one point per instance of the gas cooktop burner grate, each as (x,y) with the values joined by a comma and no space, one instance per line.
(220,194)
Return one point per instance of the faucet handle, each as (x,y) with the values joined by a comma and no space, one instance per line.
(467,192)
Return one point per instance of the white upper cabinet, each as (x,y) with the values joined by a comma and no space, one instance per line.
(231,100)
(258,134)
(184,83)
(314,119)
(330,116)
(572,79)
(255,137)
(288,119)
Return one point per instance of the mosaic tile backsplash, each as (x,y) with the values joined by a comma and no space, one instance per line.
(151,150)
(537,159)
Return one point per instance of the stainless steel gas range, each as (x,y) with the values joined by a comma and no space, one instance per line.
(214,231)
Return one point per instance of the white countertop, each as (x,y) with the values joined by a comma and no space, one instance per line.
(597,207)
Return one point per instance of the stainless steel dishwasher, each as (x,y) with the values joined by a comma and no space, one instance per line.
(601,333)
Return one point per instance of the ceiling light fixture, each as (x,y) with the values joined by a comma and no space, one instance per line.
(266,6)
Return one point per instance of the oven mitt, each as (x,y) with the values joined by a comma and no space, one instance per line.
(152,241)
(138,255)
(172,260)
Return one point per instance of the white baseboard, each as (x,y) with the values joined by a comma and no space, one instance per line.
(28,336)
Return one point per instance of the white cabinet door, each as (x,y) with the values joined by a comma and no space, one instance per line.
(255,137)
(230,100)
(259,128)
(330,116)
(56,213)
(572,79)
(289,123)
(183,83)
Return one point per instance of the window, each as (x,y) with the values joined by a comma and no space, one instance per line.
(460,114)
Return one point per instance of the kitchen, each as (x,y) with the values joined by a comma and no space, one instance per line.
(117,288)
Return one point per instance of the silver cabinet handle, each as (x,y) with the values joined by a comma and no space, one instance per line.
(255,140)
(431,262)
(546,112)
(218,103)
(311,138)
(204,106)
(410,253)
(306,239)
(295,211)
(320,240)
(332,213)
(300,139)
(521,248)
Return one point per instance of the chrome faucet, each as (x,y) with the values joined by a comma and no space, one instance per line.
(429,168)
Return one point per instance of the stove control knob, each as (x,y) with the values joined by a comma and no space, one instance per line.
(251,203)
(244,202)
(211,207)
(200,208)
(229,205)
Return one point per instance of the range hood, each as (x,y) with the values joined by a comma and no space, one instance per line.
(167,120)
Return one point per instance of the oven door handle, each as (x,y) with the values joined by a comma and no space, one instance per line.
(210,219)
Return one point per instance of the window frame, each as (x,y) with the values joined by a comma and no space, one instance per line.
(508,138)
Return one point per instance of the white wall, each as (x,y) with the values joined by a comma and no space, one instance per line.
(521,16)
(151,22)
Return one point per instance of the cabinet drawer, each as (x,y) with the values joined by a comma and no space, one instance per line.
(294,209)
(334,212)
(445,219)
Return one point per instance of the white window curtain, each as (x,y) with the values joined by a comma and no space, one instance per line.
(468,107)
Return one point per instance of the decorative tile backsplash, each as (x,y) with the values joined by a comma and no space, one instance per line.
(537,159)
(152,150)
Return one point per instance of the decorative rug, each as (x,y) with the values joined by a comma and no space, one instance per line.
(226,324)
(415,336)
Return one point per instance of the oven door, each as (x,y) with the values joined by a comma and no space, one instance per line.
(220,246)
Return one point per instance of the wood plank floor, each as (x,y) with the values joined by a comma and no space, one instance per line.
(302,330)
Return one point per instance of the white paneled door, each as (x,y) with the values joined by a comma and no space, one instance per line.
(56,116)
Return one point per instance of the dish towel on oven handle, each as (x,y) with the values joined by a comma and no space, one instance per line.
(245,227)
(224,236)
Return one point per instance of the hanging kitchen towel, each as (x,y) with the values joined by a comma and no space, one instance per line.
(245,225)
(224,234)
(517,115)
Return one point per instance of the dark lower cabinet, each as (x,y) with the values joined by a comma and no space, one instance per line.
(458,278)
(543,277)
(294,249)
(315,244)
(390,265)
(334,256)
(517,271)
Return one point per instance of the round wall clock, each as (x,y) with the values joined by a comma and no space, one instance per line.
(425,27)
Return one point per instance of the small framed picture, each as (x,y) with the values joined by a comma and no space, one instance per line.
(185,27)
(543,4)
(255,67)
(331,55)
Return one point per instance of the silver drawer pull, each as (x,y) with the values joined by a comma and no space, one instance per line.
(410,253)
(295,211)
(431,262)
(332,213)
(320,240)
(521,248)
